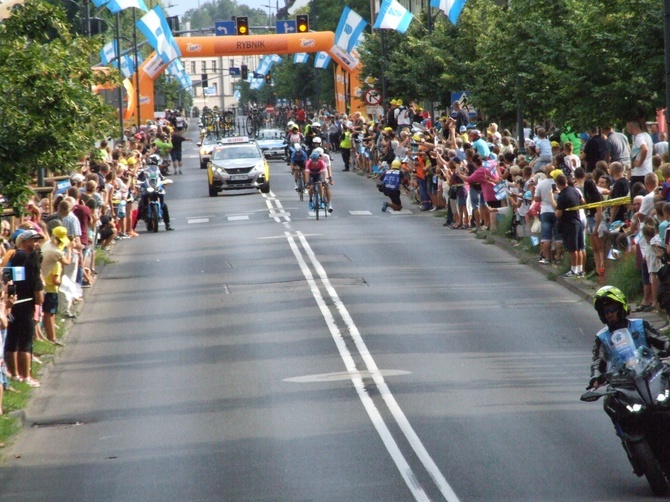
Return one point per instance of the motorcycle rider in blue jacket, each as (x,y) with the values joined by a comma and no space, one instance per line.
(152,168)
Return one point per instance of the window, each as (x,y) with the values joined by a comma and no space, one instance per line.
(203,66)
(192,67)
(231,63)
(213,64)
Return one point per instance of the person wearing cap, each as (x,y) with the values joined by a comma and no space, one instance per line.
(403,116)
(478,143)
(545,192)
(390,186)
(29,294)
(73,226)
(55,255)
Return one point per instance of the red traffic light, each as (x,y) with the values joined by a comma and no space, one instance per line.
(268,79)
(302,23)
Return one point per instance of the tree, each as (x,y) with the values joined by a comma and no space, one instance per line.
(49,118)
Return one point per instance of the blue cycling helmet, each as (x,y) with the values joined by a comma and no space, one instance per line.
(315,156)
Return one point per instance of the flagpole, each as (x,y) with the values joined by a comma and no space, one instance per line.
(118,59)
(137,74)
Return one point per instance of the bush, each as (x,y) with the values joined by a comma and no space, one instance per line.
(626,277)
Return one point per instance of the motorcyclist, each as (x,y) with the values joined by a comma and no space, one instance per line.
(613,309)
(314,134)
(152,169)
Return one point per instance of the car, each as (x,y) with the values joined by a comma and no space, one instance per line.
(272,142)
(205,147)
(237,163)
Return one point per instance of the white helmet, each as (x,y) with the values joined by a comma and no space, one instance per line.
(297,147)
(316,140)
(316,124)
(318,150)
(290,124)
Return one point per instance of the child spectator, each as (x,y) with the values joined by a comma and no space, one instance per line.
(652,255)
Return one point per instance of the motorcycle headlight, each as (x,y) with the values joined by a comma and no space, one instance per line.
(636,408)
(661,398)
(150,189)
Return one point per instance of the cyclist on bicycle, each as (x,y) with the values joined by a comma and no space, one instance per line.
(329,177)
(297,161)
(315,172)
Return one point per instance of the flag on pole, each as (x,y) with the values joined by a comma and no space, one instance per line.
(108,53)
(127,66)
(99,3)
(276,58)
(300,57)
(451,8)
(264,66)
(115,6)
(350,27)
(393,16)
(322,60)
(155,28)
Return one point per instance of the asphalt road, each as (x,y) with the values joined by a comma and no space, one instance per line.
(258,354)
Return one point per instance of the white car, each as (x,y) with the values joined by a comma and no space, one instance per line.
(205,147)
(237,163)
(272,143)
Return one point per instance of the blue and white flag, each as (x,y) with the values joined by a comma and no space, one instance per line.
(321,60)
(276,58)
(265,65)
(99,3)
(256,84)
(300,57)
(127,66)
(176,68)
(350,27)
(393,16)
(108,52)
(115,6)
(354,50)
(451,8)
(155,27)
(185,82)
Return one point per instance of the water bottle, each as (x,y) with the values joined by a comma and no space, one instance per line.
(624,347)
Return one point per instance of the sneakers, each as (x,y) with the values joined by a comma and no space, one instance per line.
(168,228)
(570,274)
(180,172)
(544,261)
(330,207)
(31,382)
(296,187)
(322,205)
(384,206)
(581,275)
(311,205)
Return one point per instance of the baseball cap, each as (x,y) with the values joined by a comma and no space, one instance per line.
(554,174)
(78,178)
(28,235)
(554,144)
(462,129)
(394,101)
(61,234)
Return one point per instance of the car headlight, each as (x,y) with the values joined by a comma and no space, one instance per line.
(259,168)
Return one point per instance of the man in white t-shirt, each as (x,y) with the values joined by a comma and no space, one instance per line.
(661,147)
(641,152)
(650,185)
(544,194)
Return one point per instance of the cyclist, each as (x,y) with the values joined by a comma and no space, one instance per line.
(297,161)
(315,170)
(329,177)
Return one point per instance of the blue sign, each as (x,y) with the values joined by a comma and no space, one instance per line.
(286,27)
(223,28)
(234,71)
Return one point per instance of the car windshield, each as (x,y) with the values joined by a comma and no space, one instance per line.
(237,152)
(270,134)
(209,140)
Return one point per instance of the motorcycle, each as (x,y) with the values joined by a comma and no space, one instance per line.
(152,194)
(638,401)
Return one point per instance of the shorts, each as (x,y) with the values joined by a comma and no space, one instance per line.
(494,203)
(590,224)
(50,305)
(315,177)
(20,336)
(175,156)
(573,236)
(461,196)
(645,274)
(475,198)
(121,209)
(549,230)
(394,195)
(105,233)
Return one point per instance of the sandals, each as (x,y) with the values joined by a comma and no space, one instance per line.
(644,308)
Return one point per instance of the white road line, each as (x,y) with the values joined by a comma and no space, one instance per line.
(238,217)
(377,420)
(384,391)
(197,220)
(360,213)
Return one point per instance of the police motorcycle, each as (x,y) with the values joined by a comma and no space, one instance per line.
(152,193)
(638,401)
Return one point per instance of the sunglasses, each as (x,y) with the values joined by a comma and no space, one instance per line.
(611,309)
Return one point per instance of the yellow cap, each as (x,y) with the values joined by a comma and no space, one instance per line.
(554,174)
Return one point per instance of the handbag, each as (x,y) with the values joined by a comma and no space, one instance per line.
(536,227)
(534,210)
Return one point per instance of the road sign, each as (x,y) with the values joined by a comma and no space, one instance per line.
(287,26)
(234,71)
(372,97)
(269,108)
(223,28)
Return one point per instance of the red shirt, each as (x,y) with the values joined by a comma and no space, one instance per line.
(83,214)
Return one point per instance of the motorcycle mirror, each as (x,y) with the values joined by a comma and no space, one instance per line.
(591,396)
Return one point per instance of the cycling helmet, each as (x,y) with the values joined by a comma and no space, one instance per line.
(154,159)
(396,164)
(297,147)
(316,124)
(315,156)
(316,140)
(319,151)
(289,125)
(609,295)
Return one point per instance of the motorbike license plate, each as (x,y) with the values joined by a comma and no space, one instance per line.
(239,177)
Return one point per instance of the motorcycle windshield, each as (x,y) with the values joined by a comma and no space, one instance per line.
(622,350)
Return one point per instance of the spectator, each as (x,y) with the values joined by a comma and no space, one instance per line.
(544,194)
(595,149)
(620,188)
(641,151)
(618,148)
(596,226)
(544,151)
(570,227)
(661,147)
(21,327)
(55,255)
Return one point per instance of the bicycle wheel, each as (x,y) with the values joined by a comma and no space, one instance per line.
(317,201)
(249,126)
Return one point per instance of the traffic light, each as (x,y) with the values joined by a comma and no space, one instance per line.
(245,72)
(302,22)
(242,25)
(268,79)
(173,23)
(203,79)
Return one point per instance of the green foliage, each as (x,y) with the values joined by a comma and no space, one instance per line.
(48,115)
(626,277)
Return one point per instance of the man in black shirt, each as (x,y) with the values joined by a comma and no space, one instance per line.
(594,150)
(570,225)
(177,140)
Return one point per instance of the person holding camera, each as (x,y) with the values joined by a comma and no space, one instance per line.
(29,293)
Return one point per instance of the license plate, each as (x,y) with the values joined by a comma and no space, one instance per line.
(239,177)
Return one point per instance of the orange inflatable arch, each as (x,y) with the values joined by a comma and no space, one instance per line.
(196,47)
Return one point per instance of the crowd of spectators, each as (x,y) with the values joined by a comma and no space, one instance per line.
(48,252)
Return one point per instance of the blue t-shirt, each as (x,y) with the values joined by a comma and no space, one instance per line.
(482,148)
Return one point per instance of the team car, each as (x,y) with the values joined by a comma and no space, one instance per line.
(272,143)
(237,163)
(205,147)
